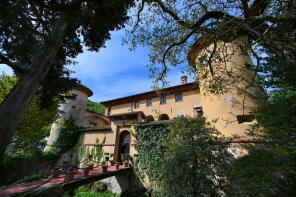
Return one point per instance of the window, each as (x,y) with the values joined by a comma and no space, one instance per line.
(245,119)
(178,97)
(198,111)
(149,102)
(162,100)
(136,104)
(109,111)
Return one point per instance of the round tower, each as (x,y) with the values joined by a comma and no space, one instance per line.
(74,106)
(228,83)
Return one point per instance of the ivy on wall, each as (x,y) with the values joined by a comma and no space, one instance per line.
(151,150)
(67,139)
(186,157)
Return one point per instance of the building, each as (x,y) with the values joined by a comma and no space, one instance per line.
(225,94)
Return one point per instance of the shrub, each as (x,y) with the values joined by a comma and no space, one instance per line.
(68,137)
(163,117)
(149,118)
(186,157)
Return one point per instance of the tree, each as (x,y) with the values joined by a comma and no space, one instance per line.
(269,169)
(35,125)
(186,157)
(269,26)
(35,35)
(174,26)
(197,160)
(95,107)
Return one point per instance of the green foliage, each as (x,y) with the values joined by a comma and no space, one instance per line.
(150,146)
(171,33)
(197,161)
(6,84)
(35,125)
(94,154)
(163,117)
(20,42)
(95,194)
(96,189)
(270,168)
(186,158)
(68,138)
(95,107)
(32,177)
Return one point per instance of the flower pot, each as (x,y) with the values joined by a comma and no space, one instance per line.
(104,169)
(55,173)
(117,166)
(90,165)
(70,175)
(85,172)
(125,164)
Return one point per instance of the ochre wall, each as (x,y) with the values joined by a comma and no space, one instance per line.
(171,108)
(234,72)
(240,96)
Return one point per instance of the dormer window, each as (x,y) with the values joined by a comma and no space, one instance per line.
(136,104)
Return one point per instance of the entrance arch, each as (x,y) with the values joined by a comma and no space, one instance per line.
(124,145)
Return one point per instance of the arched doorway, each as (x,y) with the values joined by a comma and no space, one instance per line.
(124,145)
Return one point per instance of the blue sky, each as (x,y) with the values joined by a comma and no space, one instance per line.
(115,71)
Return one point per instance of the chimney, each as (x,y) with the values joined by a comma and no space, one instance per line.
(183,79)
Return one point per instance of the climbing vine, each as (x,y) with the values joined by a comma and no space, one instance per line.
(68,138)
(151,149)
(94,154)
(186,157)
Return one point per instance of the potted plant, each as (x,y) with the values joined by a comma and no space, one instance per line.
(55,172)
(107,158)
(125,160)
(125,163)
(86,171)
(90,165)
(70,173)
(117,165)
(112,163)
(111,159)
(104,167)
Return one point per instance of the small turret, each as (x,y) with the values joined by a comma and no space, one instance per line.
(228,82)
(74,107)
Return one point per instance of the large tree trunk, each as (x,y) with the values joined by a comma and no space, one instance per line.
(14,106)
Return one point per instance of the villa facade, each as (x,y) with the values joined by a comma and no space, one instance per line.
(229,109)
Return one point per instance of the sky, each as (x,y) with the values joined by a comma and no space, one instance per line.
(114,71)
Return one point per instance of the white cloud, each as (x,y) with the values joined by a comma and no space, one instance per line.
(6,69)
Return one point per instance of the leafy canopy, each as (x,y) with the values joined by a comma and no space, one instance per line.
(36,123)
(95,107)
(26,26)
(176,25)
(187,157)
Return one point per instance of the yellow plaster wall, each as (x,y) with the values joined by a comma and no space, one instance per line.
(171,108)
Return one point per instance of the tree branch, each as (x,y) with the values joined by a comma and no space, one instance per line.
(165,68)
(245,8)
(258,7)
(138,16)
(286,19)
(172,14)
(15,66)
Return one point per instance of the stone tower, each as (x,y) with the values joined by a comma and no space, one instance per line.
(228,84)
(74,107)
